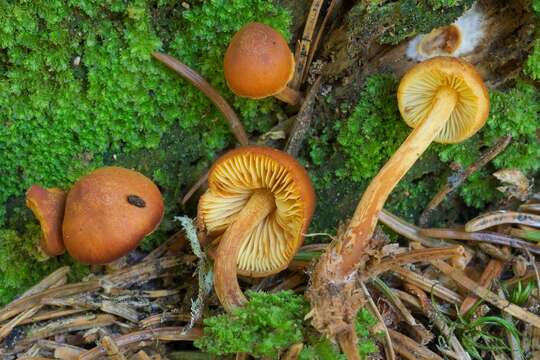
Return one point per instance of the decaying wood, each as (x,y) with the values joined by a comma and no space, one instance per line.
(290,282)
(159,319)
(61,351)
(54,279)
(459,277)
(163,334)
(49,315)
(410,349)
(455,180)
(7,328)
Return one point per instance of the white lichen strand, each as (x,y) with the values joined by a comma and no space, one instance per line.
(471,26)
(272,243)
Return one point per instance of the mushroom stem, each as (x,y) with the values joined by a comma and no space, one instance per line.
(290,96)
(258,207)
(364,220)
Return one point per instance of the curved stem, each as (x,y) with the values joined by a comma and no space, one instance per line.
(194,78)
(364,220)
(257,208)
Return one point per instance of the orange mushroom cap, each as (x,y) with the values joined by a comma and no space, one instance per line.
(258,62)
(108,213)
(48,206)
(419,86)
(232,180)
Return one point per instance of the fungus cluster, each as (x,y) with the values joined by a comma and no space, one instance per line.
(104,215)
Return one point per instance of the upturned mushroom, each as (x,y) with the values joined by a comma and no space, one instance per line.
(258,63)
(445,100)
(258,205)
(48,206)
(108,213)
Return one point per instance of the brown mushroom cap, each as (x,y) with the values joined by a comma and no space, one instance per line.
(419,86)
(232,180)
(108,213)
(48,206)
(258,62)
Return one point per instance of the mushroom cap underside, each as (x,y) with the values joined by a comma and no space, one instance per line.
(108,213)
(48,207)
(258,62)
(419,86)
(233,178)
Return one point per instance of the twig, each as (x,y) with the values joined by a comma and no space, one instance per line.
(535,207)
(194,78)
(424,335)
(302,50)
(411,257)
(495,218)
(61,351)
(293,352)
(490,237)
(428,285)
(202,180)
(512,341)
(303,120)
(141,355)
(389,348)
(5,330)
(163,334)
(54,279)
(48,315)
(456,179)
(410,349)
(460,278)
(111,349)
(491,272)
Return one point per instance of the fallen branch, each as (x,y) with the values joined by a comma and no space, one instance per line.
(456,179)
(489,237)
(460,278)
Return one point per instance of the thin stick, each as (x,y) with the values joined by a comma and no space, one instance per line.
(302,51)
(512,341)
(459,277)
(202,180)
(196,79)
(490,237)
(303,120)
(456,179)
(428,285)
(389,348)
(5,330)
(492,271)
(412,257)
(495,218)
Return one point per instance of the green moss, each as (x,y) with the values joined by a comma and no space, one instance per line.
(398,20)
(79,89)
(22,266)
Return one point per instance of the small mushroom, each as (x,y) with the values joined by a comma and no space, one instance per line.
(258,63)
(108,213)
(445,100)
(258,205)
(48,206)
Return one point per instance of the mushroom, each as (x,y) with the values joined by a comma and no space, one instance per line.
(258,63)
(258,205)
(445,100)
(48,206)
(108,213)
